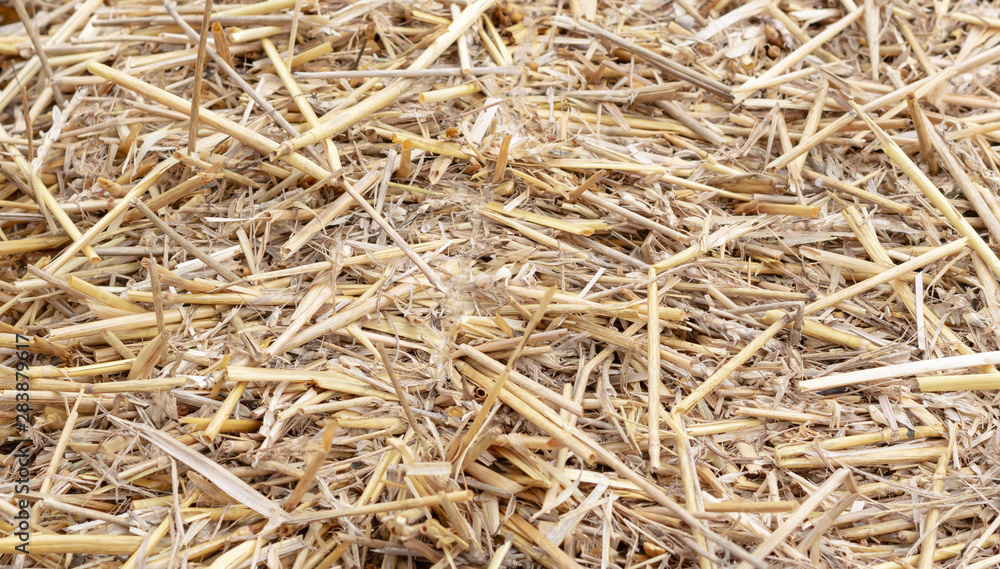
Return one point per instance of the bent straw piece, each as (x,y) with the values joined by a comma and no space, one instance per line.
(315,461)
(347,117)
(931,191)
(975,19)
(261,144)
(900,371)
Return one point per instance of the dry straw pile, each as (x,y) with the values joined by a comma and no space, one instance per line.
(492,284)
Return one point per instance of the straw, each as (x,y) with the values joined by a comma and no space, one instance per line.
(498,284)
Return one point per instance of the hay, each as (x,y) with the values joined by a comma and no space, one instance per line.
(495,284)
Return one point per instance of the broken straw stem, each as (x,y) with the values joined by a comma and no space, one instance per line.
(406,73)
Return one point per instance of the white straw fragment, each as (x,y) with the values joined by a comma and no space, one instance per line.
(899,371)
